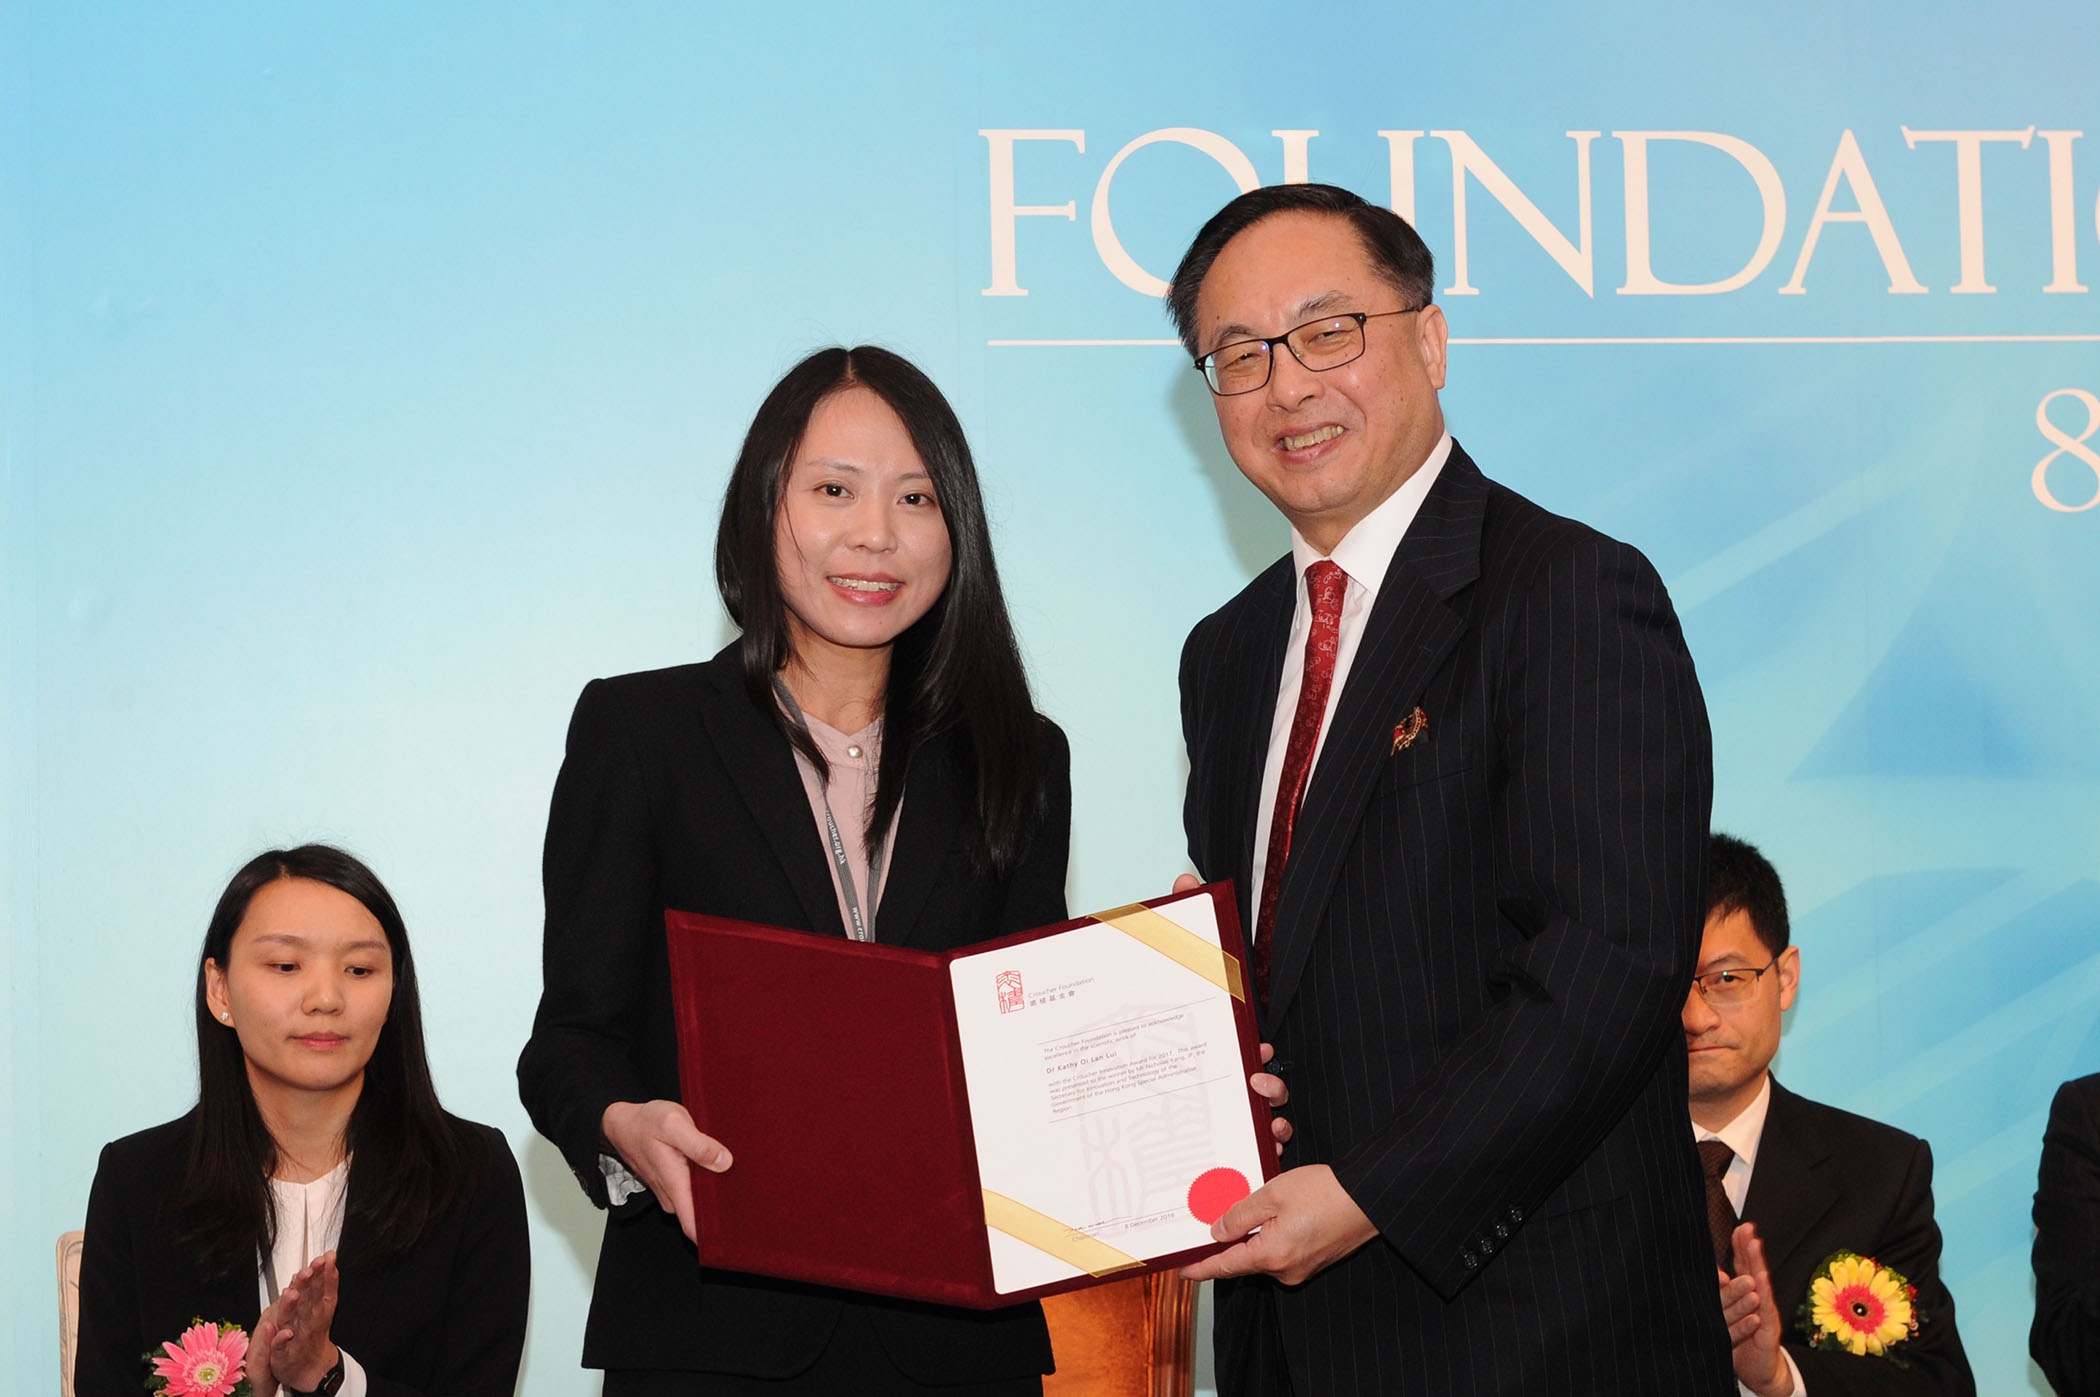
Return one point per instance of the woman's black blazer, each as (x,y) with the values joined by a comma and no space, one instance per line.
(678,792)
(447,1318)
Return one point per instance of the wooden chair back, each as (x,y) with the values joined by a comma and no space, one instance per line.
(1134,1338)
(68,1307)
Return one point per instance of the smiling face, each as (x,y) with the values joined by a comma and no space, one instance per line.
(859,538)
(307,983)
(1326,448)
(1731,1049)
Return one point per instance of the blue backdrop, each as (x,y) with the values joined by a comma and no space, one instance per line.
(372,373)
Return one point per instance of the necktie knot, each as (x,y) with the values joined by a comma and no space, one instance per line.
(1715,1157)
(1325,585)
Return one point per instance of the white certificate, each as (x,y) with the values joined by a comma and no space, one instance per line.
(1107,1093)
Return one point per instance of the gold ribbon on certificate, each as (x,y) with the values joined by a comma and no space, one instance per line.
(1177,943)
(1046,1234)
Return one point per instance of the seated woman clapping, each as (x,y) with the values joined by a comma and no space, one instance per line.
(317,1196)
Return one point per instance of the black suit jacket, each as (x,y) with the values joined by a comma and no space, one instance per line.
(677,792)
(2065,1338)
(1829,1181)
(1482,943)
(447,1318)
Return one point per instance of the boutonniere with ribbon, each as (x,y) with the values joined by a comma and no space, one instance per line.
(1410,728)
(209,1360)
(1857,1304)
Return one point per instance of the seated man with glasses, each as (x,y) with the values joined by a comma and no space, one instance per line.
(1792,1184)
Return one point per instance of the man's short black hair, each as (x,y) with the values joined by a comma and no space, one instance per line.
(1740,879)
(1395,249)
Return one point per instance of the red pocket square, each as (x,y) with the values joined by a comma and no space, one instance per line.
(1410,728)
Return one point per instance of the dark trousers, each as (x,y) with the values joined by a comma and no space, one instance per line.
(1248,1348)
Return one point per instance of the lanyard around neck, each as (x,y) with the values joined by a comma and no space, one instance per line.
(861,927)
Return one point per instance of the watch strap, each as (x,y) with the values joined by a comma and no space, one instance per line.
(331,1382)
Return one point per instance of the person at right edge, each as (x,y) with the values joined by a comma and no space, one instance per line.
(2065,1338)
(1453,753)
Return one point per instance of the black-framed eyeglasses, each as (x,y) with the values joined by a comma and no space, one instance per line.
(1327,343)
(1726,989)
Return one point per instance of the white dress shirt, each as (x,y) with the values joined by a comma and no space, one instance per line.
(1743,1135)
(1363,555)
(309,1221)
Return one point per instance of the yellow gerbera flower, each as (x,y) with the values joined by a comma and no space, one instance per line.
(1861,1305)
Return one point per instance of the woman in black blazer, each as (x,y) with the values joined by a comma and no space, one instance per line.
(873,714)
(315,1119)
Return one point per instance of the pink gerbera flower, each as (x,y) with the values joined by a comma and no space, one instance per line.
(207,1364)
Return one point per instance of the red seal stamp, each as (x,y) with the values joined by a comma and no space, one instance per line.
(1011,999)
(1214,1191)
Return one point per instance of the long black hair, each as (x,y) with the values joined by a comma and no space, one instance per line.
(412,1160)
(955,667)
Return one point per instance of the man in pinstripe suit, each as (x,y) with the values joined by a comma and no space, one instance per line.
(1453,752)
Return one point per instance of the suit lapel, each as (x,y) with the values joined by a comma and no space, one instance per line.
(1410,632)
(761,765)
(928,824)
(1789,1189)
(359,1305)
(1258,654)
(375,1305)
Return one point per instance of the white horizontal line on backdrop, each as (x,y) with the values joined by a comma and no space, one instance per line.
(1073,344)
(1622,339)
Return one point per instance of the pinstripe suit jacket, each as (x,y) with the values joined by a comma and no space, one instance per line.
(1482,943)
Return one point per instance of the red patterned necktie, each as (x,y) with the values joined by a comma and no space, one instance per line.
(1714,1158)
(1325,584)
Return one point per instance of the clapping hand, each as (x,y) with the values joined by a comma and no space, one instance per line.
(1753,1319)
(292,1348)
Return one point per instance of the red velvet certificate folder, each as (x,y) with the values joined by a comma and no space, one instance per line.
(834,1073)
